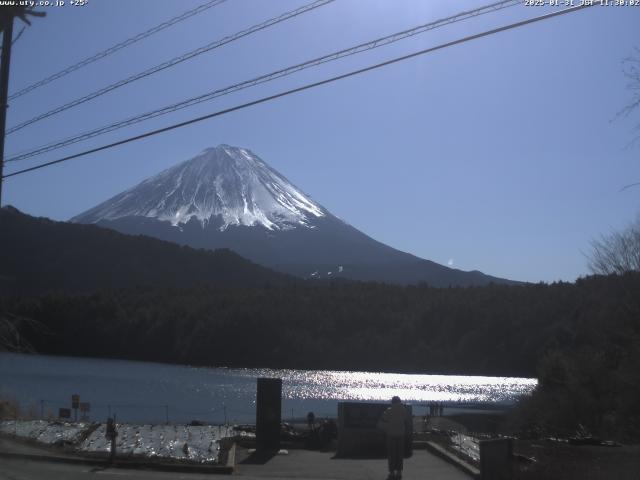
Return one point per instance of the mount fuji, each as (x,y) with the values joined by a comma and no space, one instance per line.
(228,197)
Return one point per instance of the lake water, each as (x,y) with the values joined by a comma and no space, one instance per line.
(154,392)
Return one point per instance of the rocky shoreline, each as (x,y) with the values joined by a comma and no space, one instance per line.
(202,444)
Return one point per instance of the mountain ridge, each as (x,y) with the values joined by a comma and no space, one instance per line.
(228,197)
(38,255)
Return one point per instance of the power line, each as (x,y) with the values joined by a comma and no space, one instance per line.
(265,78)
(119,46)
(174,61)
(306,87)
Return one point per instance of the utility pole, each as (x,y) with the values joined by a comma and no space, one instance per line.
(7,40)
(7,15)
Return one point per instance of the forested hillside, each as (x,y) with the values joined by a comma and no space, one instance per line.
(39,255)
(582,340)
(495,330)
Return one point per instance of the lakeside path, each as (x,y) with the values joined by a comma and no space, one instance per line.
(313,465)
(297,464)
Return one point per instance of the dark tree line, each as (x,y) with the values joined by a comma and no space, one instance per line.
(495,330)
(589,377)
(582,340)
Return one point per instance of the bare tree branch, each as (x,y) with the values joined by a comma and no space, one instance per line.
(629,186)
(618,252)
(11,328)
(631,70)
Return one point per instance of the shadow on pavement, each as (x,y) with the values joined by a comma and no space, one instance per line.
(259,458)
(99,469)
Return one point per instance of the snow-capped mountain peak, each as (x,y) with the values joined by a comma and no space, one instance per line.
(227,197)
(225,184)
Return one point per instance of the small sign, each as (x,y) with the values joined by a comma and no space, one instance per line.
(75,401)
(363,415)
(85,407)
(64,413)
(358,430)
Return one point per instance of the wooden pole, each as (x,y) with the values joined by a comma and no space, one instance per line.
(7,40)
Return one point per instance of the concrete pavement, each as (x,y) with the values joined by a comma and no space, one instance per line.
(15,469)
(313,465)
(296,464)
(299,464)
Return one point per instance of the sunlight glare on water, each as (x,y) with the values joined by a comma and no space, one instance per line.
(155,392)
(344,385)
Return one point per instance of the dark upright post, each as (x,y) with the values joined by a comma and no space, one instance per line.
(495,459)
(268,408)
(7,39)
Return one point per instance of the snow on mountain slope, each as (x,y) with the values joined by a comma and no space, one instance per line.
(227,197)
(230,183)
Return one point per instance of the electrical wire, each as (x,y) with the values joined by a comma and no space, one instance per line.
(174,61)
(389,39)
(115,48)
(306,87)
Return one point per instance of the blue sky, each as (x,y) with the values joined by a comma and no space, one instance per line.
(500,155)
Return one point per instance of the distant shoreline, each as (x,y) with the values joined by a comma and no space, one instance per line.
(154,392)
(232,367)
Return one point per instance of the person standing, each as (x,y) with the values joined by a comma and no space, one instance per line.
(111,434)
(311,421)
(396,423)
